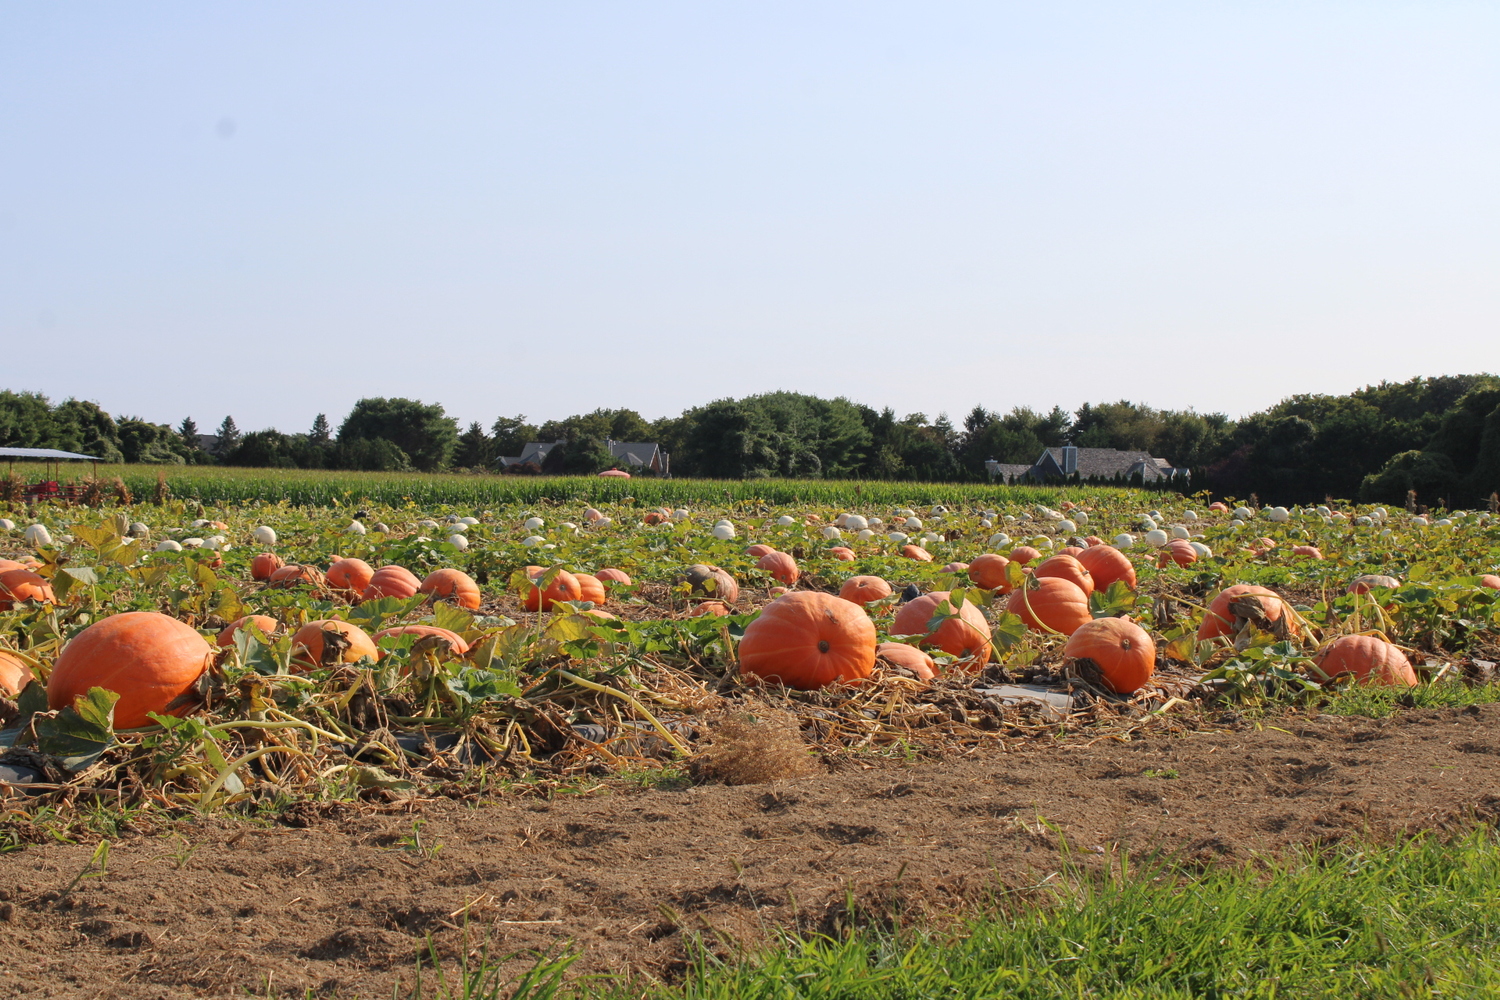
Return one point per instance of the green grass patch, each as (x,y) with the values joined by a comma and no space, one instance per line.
(1411,920)
(1383,702)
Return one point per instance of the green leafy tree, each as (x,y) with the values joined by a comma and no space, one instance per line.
(422,432)
(510,435)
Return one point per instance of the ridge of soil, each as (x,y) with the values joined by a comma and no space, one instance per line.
(338,901)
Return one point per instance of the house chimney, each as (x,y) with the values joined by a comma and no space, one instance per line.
(1069,460)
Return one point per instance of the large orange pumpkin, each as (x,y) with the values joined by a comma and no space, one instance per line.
(1307,551)
(901,655)
(307,644)
(711,581)
(988,571)
(781,567)
(591,588)
(297,575)
(1024,554)
(351,575)
(268,625)
(965,635)
(1120,649)
(759,549)
(916,552)
(452,585)
(862,590)
(1367,582)
(19,585)
(391,581)
(6,565)
(1066,567)
(608,576)
(1490,580)
(842,553)
(1236,605)
(456,644)
(809,640)
(564,587)
(1370,660)
(1106,564)
(1051,603)
(263,565)
(148,659)
(15,674)
(1179,551)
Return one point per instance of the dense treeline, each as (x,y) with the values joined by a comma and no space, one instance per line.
(1439,437)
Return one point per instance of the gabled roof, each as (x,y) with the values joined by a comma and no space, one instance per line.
(1106,463)
(634,452)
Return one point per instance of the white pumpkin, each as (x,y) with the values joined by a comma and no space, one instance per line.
(1066,526)
(912,522)
(1244,513)
(6,524)
(1190,515)
(532,541)
(899,537)
(1204,552)
(355,528)
(680,514)
(855,522)
(264,535)
(1148,524)
(167,545)
(786,520)
(723,531)
(192,543)
(459,542)
(831,533)
(1156,538)
(1179,531)
(38,536)
(1124,540)
(865,535)
(999,540)
(533,523)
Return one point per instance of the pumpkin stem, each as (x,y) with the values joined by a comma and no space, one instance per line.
(822,645)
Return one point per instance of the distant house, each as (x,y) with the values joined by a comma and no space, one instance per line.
(1091,464)
(634,455)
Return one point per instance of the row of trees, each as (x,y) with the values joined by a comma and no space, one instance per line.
(1438,436)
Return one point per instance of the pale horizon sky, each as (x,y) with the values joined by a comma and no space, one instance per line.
(273,210)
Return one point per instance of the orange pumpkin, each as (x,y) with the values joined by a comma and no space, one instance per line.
(592,588)
(862,590)
(608,576)
(901,655)
(965,635)
(1051,603)
(308,648)
(842,553)
(1024,554)
(452,585)
(1367,582)
(1307,551)
(1370,660)
(1065,567)
(653,517)
(1121,650)
(351,576)
(391,581)
(15,674)
(268,625)
(18,585)
(1071,550)
(1106,564)
(757,550)
(263,565)
(717,609)
(956,567)
(781,567)
(1179,551)
(150,660)
(1490,580)
(809,640)
(711,581)
(297,575)
(456,644)
(564,587)
(6,565)
(1236,605)
(1218,507)
(916,552)
(988,571)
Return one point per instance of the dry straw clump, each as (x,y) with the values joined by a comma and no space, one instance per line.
(753,748)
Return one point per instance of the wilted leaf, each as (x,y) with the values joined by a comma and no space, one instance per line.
(372,615)
(1009,631)
(454,619)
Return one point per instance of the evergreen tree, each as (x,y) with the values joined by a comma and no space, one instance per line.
(473,448)
(188,429)
(321,433)
(229,436)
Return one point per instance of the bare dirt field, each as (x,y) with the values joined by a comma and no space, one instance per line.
(339,900)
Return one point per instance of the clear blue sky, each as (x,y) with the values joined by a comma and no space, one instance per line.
(273,209)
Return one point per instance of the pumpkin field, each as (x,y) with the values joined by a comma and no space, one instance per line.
(528,726)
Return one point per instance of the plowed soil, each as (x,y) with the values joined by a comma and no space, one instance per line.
(341,902)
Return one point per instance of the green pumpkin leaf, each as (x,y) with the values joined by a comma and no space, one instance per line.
(1113,601)
(79,734)
(454,619)
(1008,632)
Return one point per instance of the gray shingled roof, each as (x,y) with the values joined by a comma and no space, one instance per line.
(1107,463)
